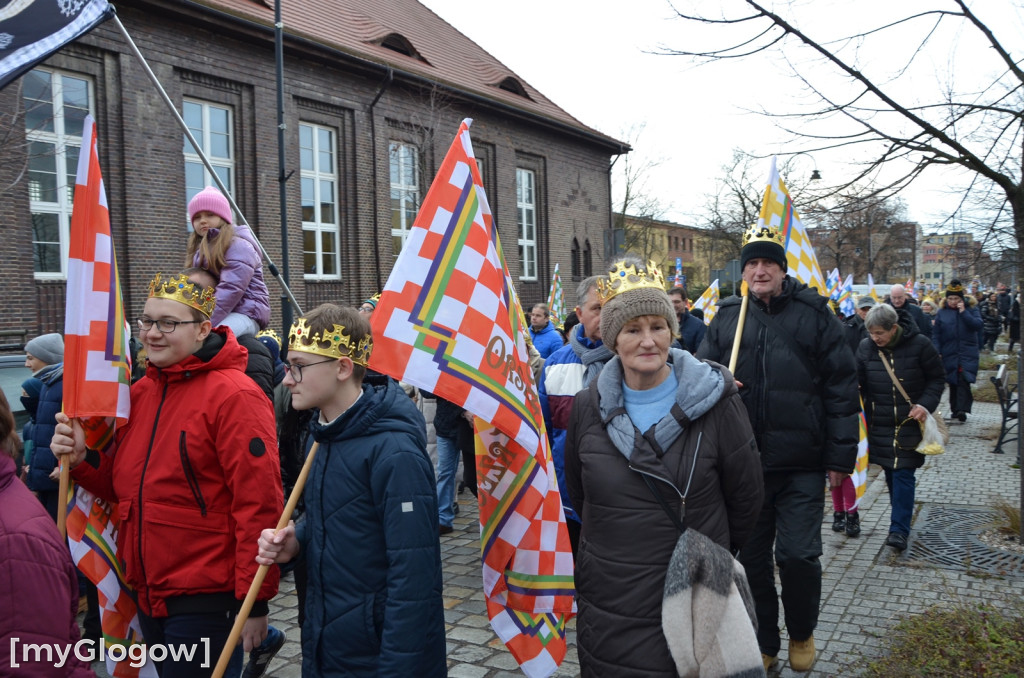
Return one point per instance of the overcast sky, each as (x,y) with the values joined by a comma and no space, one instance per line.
(594,59)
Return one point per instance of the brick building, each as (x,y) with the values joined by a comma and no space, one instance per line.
(373,96)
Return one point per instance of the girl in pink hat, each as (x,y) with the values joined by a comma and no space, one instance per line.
(230,252)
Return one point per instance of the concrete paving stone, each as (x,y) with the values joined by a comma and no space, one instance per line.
(470,654)
(467,671)
(289,649)
(472,635)
(453,616)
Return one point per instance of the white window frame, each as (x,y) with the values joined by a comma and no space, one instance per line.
(526,205)
(405,192)
(319,174)
(60,142)
(203,138)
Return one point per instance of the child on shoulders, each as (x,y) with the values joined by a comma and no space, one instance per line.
(230,252)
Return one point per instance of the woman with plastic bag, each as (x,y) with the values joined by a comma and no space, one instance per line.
(895,350)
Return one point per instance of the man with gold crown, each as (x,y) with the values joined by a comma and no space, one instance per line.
(194,474)
(799,382)
(369,533)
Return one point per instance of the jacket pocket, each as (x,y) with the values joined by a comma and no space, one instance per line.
(185,552)
(190,474)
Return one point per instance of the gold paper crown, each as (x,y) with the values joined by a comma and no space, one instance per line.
(180,289)
(269,333)
(759,233)
(623,278)
(331,345)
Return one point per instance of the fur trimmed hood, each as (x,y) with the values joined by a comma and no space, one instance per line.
(968,299)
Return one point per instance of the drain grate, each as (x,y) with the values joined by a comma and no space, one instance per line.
(947,536)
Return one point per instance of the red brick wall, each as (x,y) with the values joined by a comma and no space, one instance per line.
(141,157)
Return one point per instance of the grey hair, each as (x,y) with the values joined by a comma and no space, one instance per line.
(882,316)
(584,287)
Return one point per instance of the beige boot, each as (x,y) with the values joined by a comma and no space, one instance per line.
(801,654)
(769,661)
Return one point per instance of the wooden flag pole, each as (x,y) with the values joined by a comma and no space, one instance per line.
(62,501)
(261,572)
(745,292)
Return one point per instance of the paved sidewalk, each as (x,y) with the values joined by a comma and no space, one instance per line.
(866,585)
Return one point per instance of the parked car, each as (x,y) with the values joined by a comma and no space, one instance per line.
(12,373)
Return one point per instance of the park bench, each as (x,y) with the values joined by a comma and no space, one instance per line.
(1008,399)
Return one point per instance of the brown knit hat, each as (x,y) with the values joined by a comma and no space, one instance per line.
(634,303)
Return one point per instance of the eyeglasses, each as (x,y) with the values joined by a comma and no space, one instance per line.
(164,325)
(295,369)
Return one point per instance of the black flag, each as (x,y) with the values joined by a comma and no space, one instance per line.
(32,30)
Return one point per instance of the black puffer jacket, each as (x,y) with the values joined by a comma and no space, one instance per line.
(918,367)
(992,321)
(801,421)
(704,443)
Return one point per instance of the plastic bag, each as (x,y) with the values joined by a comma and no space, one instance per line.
(932,441)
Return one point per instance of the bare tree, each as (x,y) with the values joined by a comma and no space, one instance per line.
(861,103)
(735,205)
(638,209)
(855,100)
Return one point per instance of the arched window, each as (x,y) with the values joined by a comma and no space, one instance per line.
(512,85)
(397,42)
(576,270)
(588,268)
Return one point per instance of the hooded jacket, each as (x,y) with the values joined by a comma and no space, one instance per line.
(546,340)
(892,439)
(369,536)
(801,421)
(38,584)
(955,336)
(51,398)
(703,450)
(195,476)
(241,288)
(564,375)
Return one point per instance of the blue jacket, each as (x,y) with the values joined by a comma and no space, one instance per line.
(547,340)
(560,381)
(369,536)
(956,335)
(691,332)
(50,401)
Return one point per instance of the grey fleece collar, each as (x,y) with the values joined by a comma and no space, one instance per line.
(700,387)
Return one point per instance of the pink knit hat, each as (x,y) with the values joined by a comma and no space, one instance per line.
(210,200)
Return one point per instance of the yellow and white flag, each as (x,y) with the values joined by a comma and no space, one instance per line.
(708,302)
(871,289)
(777,212)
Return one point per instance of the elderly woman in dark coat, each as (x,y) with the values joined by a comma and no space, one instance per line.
(653,413)
(894,430)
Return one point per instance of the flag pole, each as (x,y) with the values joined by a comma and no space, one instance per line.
(261,572)
(745,291)
(62,494)
(206,161)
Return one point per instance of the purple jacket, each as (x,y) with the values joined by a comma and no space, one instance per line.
(241,288)
(38,579)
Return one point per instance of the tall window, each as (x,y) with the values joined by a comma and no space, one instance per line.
(588,264)
(211,126)
(575,259)
(55,107)
(526,213)
(405,190)
(320,229)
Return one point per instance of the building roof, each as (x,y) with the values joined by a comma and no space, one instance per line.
(433,49)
